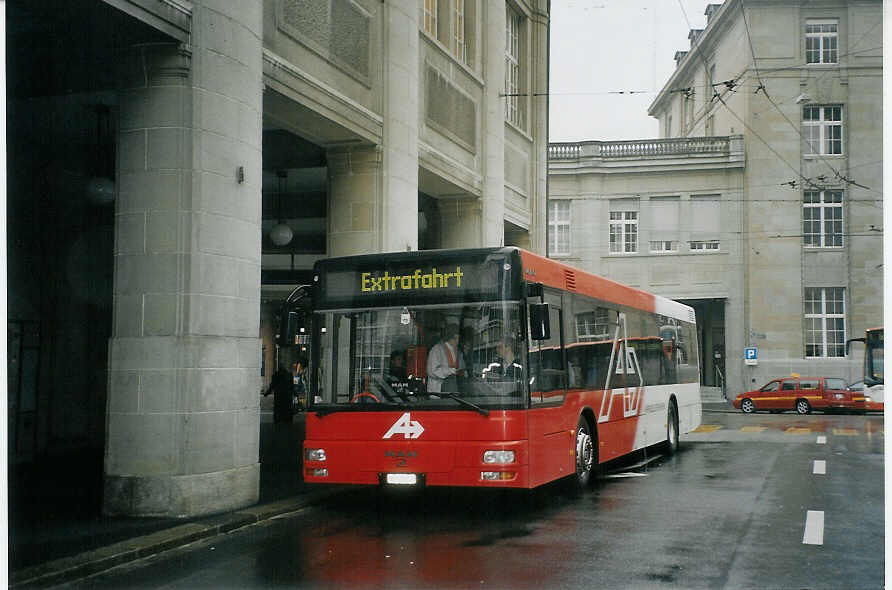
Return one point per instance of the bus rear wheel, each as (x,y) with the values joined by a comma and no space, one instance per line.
(671,444)
(586,454)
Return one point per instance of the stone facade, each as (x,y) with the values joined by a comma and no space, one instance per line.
(361,125)
(748,79)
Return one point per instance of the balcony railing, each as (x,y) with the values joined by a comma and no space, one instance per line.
(639,148)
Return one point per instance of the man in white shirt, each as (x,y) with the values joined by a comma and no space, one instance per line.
(444,361)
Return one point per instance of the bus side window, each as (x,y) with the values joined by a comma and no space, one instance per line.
(548,375)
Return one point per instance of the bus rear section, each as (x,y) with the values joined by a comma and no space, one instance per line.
(424,448)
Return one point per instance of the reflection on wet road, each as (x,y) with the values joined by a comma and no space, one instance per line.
(731,510)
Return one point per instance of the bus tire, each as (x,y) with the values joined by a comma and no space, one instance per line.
(586,455)
(672,435)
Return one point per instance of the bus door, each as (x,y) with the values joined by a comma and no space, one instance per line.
(551,446)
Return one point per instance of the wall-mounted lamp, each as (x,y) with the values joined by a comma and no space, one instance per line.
(281,234)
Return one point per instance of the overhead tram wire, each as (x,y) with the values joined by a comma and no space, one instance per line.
(796,128)
(730,86)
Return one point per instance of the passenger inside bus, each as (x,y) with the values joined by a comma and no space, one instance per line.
(445,362)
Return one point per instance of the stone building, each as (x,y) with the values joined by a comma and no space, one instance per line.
(761,204)
(175,163)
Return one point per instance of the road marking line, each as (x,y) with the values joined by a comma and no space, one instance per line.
(845,432)
(707,428)
(814,528)
(795,430)
(820,467)
(753,429)
(822,440)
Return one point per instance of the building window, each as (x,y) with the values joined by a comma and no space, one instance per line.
(822,130)
(663,246)
(513,87)
(458,31)
(559,228)
(662,217)
(623,232)
(704,245)
(592,325)
(822,41)
(825,322)
(430,17)
(822,219)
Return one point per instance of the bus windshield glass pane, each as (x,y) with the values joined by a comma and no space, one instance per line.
(421,357)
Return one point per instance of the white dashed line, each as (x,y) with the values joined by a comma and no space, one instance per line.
(820,467)
(822,440)
(814,528)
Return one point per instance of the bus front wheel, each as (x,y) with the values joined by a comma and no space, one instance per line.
(586,454)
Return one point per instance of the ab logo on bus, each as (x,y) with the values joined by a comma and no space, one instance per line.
(406,426)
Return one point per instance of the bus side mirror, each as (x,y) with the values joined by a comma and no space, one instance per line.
(849,343)
(288,329)
(540,326)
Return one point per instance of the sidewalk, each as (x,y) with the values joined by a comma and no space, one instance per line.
(721,407)
(57,532)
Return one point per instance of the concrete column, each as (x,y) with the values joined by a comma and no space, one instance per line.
(460,223)
(539,125)
(183,409)
(400,145)
(355,201)
(493,205)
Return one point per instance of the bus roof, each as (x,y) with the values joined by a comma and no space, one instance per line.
(535,269)
(563,276)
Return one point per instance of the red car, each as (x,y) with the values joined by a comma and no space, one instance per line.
(802,394)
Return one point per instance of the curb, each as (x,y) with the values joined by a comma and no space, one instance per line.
(67,569)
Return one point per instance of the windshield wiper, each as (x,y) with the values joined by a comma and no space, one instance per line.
(462,401)
(321,412)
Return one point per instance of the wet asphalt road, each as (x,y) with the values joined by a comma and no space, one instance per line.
(730,510)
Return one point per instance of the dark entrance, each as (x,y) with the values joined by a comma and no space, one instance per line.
(711,334)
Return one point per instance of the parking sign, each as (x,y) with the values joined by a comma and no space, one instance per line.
(751,355)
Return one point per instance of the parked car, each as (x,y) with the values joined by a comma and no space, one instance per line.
(802,394)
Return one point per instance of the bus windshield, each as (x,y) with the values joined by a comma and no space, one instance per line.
(459,356)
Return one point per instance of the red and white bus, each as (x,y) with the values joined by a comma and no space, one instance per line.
(599,370)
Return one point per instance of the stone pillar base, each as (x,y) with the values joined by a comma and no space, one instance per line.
(182,496)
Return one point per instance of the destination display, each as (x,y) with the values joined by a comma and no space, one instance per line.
(377,282)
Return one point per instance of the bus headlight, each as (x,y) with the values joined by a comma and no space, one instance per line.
(315,454)
(498,456)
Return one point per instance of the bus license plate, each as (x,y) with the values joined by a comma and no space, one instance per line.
(405,479)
